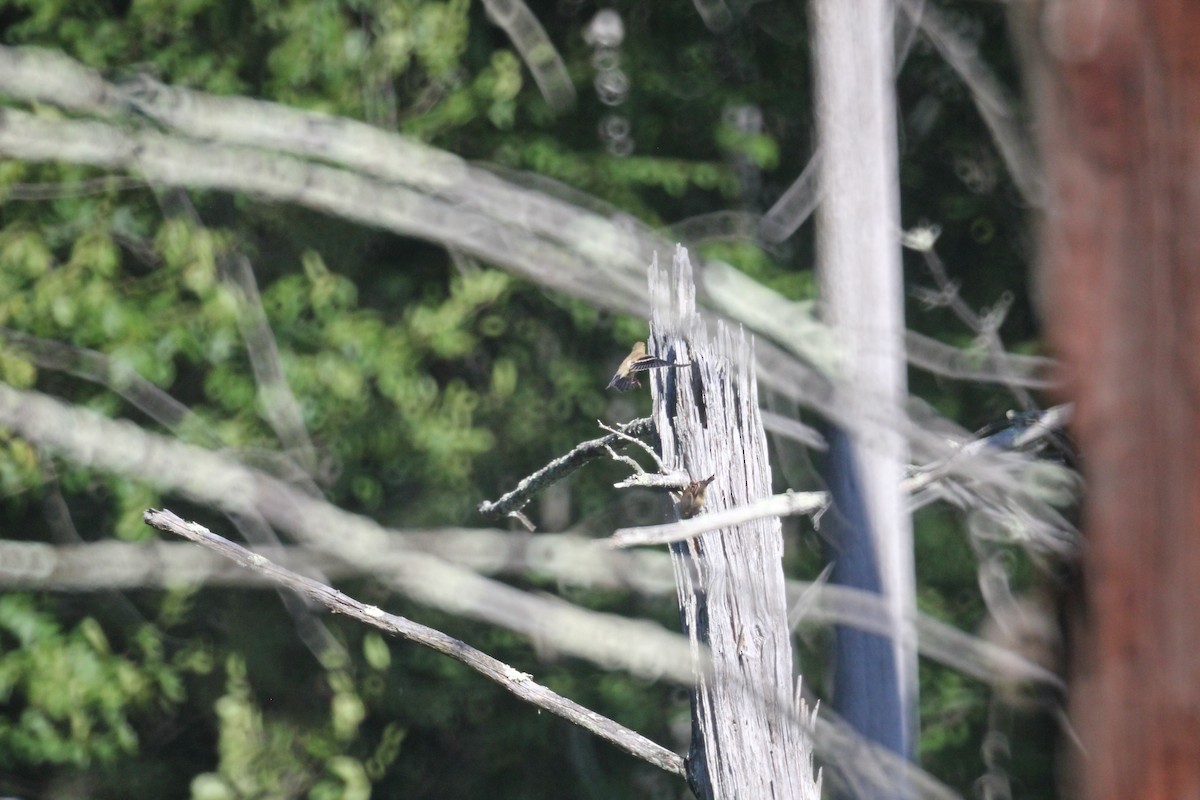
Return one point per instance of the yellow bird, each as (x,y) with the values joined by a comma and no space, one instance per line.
(691,500)
(637,361)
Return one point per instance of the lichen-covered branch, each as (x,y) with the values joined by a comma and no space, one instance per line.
(562,466)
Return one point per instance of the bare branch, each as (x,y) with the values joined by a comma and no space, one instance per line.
(630,440)
(518,683)
(403,185)
(781,505)
(122,380)
(560,467)
(675,481)
(986,327)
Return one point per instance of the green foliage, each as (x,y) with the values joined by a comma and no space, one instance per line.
(263,755)
(952,714)
(70,699)
(18,465)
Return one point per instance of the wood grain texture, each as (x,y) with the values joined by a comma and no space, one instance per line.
(748,734)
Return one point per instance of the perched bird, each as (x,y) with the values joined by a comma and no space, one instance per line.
(691,500)
(637,361)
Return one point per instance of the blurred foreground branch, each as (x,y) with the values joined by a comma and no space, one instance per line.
(568,560)
(91,440)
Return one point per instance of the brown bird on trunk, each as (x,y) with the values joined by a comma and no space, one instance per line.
(637,361)
(691,500)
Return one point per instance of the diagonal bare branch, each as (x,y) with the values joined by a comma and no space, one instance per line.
(518,683)
(562,466)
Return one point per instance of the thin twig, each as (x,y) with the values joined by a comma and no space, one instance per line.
(672,481)
(519,683)
(281,409)
(626,437)
(636,467)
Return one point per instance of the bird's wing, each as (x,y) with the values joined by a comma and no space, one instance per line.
(648,362)
(623,383)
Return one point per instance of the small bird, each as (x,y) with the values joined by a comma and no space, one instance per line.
(637,361)
(691,500)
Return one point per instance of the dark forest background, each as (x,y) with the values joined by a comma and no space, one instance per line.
(430,381)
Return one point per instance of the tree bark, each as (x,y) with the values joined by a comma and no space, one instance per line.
(1118,104)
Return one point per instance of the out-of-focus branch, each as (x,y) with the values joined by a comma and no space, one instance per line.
(535,47)
(279,404)
(154,564)
(518,683)
(413,189)
(994,104)
(177,161)
(47,76)
(986,327)
(403,185)
(715,13)
(81,188)
(157,404)
(122,380)
(91,440)
(642,648)
(567,559)
(795,205)
(793,324)
(793,429)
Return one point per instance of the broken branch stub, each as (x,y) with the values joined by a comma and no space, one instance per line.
(746,737)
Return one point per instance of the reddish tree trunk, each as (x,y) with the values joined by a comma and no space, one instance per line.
(1118,108)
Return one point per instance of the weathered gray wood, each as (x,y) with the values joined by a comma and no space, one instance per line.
(747,742)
